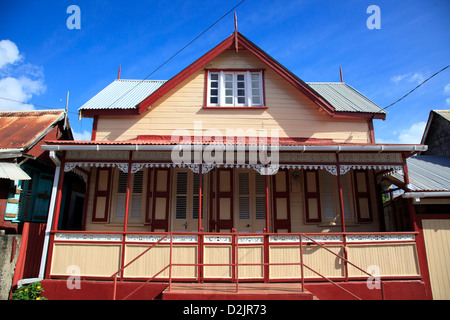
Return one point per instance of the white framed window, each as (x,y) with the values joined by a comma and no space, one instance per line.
(235,88)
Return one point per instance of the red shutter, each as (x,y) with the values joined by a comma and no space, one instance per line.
(224,199)
(281,201)
(362,196)
(102,193)
(161,193)
(312,196)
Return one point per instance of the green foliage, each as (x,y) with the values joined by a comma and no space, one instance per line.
(29,292)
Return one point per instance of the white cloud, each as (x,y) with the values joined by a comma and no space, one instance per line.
(447,101)
(447,89)
(19,81)
(9,53)
(412,134)
(409,77)
(86,135)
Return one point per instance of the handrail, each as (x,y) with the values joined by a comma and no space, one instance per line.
(137,257)
(344,259)
(235,243)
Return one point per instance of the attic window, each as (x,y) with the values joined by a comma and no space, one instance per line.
(234,88)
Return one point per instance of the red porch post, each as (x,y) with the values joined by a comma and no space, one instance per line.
(267,201)
(416,225)
(341,210)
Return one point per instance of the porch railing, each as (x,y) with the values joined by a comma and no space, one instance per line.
(241,257)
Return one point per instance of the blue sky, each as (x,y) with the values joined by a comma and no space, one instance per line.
(42,59)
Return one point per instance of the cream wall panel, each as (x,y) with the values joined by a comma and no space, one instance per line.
(392,259)
(289,111)
(250,254)
(437,244)
(91,259)
(157,258)
(217,255)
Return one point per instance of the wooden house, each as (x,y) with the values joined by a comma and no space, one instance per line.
(427,195)
(26,179)
(284,175)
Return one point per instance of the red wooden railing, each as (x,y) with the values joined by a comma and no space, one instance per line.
(236,264)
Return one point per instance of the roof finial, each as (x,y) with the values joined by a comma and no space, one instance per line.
(235,32)
(340,71)
(118,76)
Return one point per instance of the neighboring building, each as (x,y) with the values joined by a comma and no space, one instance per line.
(437,133)
(164,153)
(426,193)
(26,179)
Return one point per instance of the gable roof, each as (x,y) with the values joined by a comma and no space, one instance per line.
(122,94)
(337,104)
(445,114)
(23,129)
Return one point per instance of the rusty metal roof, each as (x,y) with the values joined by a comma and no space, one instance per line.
(22,129)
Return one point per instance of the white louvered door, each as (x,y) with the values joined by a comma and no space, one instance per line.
(251,201)
(185,207)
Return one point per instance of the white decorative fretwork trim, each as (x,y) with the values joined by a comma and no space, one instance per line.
(87,237)
(380,238)
(156,238)
(250,240)
(71,165)
(217,239)
(284,239)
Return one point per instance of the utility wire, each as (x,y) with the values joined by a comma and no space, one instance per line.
(174,55)
(416,88)
(37,105)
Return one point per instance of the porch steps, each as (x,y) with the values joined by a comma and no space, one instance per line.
(227,291)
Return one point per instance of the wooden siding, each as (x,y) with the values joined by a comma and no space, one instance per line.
(289,111)
(437,244)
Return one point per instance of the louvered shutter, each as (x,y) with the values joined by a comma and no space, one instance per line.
(121,196)
(260,197)
(195,195)
(244,196)
(136,198)
(281,201)
(181,196)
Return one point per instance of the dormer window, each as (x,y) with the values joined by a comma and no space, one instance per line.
(234,88)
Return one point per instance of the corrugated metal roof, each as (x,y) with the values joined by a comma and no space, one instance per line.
(12,171)
(126,94)
(123,94)
(20,129)
(427,173)
(345,98)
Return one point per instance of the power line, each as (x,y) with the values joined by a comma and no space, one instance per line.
(416,87)
(174,55)
(36,105)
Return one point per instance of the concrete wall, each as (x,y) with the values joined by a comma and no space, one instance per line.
(9,252)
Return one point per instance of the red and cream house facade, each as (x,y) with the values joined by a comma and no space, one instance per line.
(284,175)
